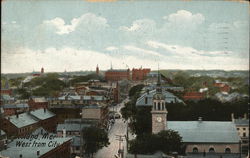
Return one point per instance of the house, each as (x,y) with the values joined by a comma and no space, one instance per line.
(223,86)
(3,140)
(47,119)
(6,88)
(194,96)
(146,99)
(72,130)
(19,124)
(37,103)
(225,97)
(117,74)
(96,112)
(45,145)
(7,99)
(11,109)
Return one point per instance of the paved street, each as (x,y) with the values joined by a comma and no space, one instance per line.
(119,128)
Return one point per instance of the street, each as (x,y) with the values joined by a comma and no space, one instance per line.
(119,128)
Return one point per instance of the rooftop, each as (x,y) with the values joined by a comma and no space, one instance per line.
(42,114)
(15,151)
(71,126)
(205,131)
(22,120)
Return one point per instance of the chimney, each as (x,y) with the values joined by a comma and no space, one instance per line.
(17,115)
(232,117)
(64,132)
(200,119)
(38,153)
(245,116)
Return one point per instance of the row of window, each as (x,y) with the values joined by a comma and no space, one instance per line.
(242,128)
(211,150)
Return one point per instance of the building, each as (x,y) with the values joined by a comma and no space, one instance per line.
(25,123)
(223,86)
(12,109)
(7,99)
(194,96)
(46,145)
(6,88)
(242,126)
(72,130)
(3,140)
(37,103)
(210,137)
(97,112)
(139,74)
(97,70)
(117,75)
(47,119)
(19,124)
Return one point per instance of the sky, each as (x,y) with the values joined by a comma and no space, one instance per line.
(77,35)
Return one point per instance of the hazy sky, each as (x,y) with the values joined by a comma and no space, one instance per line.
(78,35)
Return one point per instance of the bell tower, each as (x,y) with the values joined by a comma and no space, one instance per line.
(159,110)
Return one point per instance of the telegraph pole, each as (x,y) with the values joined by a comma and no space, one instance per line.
(120,139)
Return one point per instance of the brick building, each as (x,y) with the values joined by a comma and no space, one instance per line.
(11,109)
(48,148)
(6,89)
(117,75)
(37,103)
(139,74)
(194,96)
(46,118)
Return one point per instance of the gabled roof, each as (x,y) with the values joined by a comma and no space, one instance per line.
(169,97)
(205,131)
(42,114)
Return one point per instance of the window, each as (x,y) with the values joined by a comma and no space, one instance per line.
(244,129)
(244,134)
(238,129)
(227,150)
(159,106)
(195,150)
(211,150)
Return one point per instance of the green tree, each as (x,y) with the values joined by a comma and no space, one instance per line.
(167,141)
(135,90)
(24,94)
(95,138)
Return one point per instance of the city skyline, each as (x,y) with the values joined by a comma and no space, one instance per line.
(78,35)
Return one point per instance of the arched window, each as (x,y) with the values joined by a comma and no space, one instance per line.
(195,150)
(211,150)
(159,106)
(227,150)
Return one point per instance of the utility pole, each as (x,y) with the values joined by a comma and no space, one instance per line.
(120,139)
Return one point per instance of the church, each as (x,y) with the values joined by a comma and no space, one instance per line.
(210,137)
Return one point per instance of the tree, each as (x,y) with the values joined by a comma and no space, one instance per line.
(135,90)
(166,141)
(95,138)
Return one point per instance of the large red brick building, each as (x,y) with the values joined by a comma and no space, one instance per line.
(139,74)
(117,75)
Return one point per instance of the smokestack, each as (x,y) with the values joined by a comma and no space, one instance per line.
(232,117)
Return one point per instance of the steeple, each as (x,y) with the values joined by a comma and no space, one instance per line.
(158,85)
(111,67)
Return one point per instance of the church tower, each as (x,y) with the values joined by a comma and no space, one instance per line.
(159,110)
(97,70)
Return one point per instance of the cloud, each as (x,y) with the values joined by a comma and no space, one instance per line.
(185,51)
(142,51)
(142,25)
(183,17)
(86,21)
(111,48)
